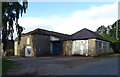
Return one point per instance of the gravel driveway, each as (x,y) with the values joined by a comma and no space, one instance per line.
(64,66)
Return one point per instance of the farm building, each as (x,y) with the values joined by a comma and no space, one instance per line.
(86,42)
(39,42)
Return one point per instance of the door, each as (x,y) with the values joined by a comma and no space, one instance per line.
(56,48)
(80,47)
(28,51)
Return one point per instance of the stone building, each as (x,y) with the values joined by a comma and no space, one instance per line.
(86,42)
(39,42)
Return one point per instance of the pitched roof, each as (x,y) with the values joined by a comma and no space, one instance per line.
(85,34)
(46,32)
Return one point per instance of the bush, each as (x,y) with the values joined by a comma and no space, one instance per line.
(116,46)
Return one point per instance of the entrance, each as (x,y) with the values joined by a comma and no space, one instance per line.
(28,51)
(56,48)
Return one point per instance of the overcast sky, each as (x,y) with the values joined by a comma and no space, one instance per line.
(69,17)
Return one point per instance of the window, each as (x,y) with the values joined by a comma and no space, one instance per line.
(100,44)
(28,40)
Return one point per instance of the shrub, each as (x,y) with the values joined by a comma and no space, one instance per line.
(116,46)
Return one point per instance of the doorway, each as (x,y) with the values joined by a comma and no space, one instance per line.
(56,48)
(28,51)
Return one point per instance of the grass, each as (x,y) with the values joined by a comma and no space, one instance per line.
(115,54)
(109,55)
(0,66)
(6,64)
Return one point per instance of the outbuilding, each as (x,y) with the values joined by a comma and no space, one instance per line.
(86,42)
(39,42)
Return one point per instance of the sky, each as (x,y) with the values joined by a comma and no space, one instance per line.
(68,17)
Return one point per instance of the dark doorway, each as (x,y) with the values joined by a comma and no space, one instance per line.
(56,47)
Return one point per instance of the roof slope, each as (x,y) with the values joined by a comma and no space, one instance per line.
(85,34)
(46,32)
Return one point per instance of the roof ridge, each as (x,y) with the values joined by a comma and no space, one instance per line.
(86,34)
(96,34)
(39,29)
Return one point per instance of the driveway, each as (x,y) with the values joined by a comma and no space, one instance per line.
(65,66)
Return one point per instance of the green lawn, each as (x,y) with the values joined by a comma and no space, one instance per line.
(0,66)
(6,64)
(109,55)
(115,54)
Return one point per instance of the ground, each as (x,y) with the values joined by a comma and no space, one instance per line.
(65,66)
(6,64)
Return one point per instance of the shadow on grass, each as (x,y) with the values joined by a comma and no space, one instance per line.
(6,64)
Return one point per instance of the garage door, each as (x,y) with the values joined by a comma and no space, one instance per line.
(80,47)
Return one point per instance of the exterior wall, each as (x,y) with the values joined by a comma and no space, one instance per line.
(52,38)
(80,47)
(20,49)
(15,48)
(41,45)
(91,47)
(55,46)
(67,48)
(103,47)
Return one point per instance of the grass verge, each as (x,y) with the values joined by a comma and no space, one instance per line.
(6,64)
(109,55)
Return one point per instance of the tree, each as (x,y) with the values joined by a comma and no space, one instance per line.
(10,16)
(113,29)
(109,33)
(102,30)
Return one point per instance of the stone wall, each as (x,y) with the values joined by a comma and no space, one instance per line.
(103,47)
(91,47)
(67,48)
(20,49)
(41,45)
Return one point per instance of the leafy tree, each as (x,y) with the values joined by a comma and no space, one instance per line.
(102,30)
(10,15)
(113,29)
(109,33)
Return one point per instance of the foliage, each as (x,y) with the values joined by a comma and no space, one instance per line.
(109,38)
(116,46)
(10,15)
(109,33)
(102,30)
